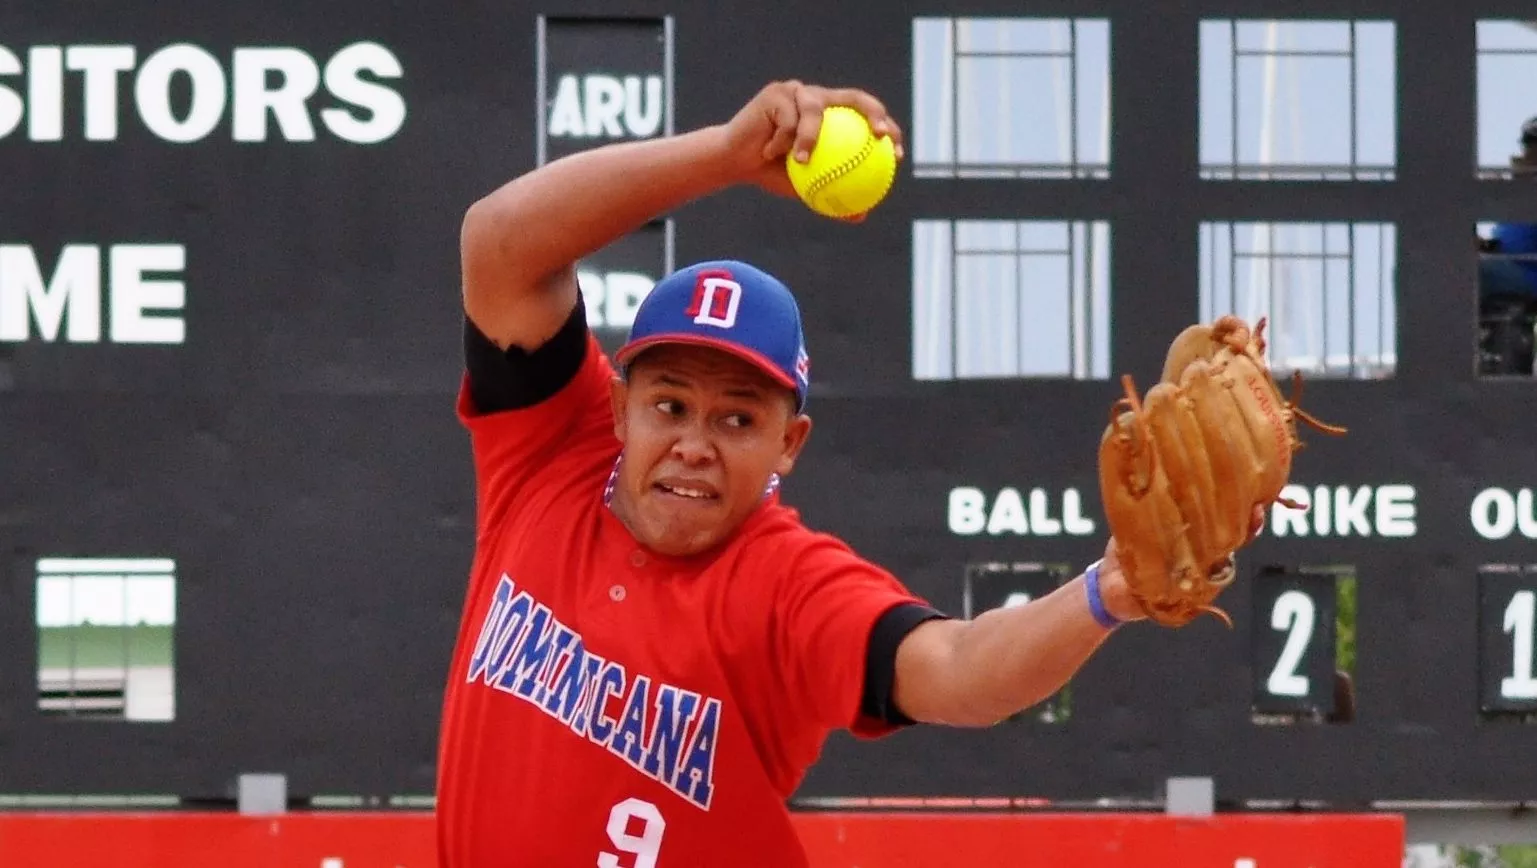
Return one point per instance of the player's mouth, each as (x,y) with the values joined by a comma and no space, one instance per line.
(686,490)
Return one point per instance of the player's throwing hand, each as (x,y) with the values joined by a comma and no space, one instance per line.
(785,117)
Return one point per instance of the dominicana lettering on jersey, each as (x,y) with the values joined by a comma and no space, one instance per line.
(664,732)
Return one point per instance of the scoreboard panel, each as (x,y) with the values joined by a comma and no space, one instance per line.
(229,350)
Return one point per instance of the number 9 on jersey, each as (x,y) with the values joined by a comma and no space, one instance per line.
(635,829)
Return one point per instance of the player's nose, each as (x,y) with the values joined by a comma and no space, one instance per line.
(693,448)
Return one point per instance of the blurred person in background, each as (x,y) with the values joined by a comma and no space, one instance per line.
(1519,240)
(1507,280)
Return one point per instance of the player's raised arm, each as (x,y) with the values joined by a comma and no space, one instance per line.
(519,244)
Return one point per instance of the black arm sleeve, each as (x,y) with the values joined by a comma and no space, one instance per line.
(879,701)
(513,378)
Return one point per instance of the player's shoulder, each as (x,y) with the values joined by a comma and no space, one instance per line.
(776,527)
(500,380)
(782,544)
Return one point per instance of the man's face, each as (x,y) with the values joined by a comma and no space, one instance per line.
(703,431)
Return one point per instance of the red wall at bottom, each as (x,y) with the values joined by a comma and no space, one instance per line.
(835,840)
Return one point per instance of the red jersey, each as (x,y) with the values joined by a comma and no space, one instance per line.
(611,706)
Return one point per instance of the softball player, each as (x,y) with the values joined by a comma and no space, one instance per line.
(653,647)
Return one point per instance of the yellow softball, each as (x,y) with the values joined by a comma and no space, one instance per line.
(850,170)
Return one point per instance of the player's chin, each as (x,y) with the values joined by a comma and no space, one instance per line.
(685,532)
(678,542)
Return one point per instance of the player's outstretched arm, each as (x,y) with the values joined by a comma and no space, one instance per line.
(979,672)
(519,244)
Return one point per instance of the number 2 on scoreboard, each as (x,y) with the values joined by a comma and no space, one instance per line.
(643,846)
(1294,614)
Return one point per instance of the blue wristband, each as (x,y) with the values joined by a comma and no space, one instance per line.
(1096,603)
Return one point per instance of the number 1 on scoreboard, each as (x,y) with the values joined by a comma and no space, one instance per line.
(1507,642)
(1519,617)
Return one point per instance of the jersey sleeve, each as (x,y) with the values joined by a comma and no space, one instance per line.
(523,408)
(510,379)
(839,616)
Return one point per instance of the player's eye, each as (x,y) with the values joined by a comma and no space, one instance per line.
(739,420)
(670,407)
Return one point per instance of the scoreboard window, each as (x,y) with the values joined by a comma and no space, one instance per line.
(1011,298)
(1507,65)
(1011,98)
(1298,100)
(1328,289)
(105,638)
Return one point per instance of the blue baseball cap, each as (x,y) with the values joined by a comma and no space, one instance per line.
(730,306)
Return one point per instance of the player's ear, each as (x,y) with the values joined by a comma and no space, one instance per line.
(797,432)
(618,397)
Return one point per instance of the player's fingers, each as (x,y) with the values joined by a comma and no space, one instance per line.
(895,131)
(776,103)
(809,104)
(898,138)
(784,119)
(881,121)
(866,104)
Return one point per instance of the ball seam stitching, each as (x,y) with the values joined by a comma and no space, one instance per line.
(822,181)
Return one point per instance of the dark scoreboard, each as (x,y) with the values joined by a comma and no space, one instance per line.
(229,353)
